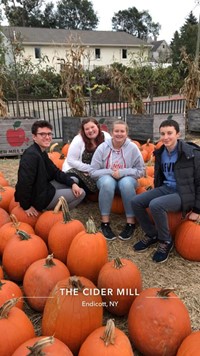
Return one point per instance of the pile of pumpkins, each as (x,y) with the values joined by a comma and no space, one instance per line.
(61,269)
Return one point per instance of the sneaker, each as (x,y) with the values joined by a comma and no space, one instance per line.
(162,253)
(107,232)
(127,232)
(145,243)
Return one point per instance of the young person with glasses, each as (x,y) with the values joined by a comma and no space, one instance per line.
(40,183)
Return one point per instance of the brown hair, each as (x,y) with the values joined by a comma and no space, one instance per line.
(98,140)
(120,122)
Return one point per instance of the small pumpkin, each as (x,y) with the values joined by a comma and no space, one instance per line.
(9,229)
(40,278)
(106,340)
(41,345)
(190,345)
(20,251)
(62,233)
(72,312)
(46,220)
(9,290)
(158,322)
(15,327)
(65,149)
(88,252)
(122,281)
(187,241)
(4,217)
(6,194)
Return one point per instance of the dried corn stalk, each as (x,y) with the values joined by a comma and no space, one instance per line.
(3,106)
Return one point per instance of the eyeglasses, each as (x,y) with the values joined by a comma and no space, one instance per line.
(45,134)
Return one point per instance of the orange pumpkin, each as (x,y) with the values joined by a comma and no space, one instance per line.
(88,252)
(3,181)
(1,273)
(149,147)
(187,241)
(20,251)
(41,345)
(137,143)
(190,345)
(62,233)
(106,340)
(6,194)
(12,204)
(65,149)
(9,290)
(40,278)
(146,181)
(117,205)
(158,322)
(76,309)
(9,229)
(15,327)
(46,220)
(22,216)
(4,217)
(124,281)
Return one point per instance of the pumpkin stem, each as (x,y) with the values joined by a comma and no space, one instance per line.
(2,284)
(7,306)
(118,263)
(23,235)
(14,220)
(65,210)
(74,282)
(57,207)
(52,147)
(109,333)
(90,226)
(36,349)
(2,189)
(164,292)
(49,261)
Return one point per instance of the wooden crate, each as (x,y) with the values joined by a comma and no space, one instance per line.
(143,127)
(71,126)
(15,135)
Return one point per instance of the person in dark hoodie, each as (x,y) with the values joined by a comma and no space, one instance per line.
(116,165)
(176,188)
(40,183)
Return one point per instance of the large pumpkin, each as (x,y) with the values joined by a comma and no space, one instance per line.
(40,278)
(46,346)
(106,341)
(187,240)
(6,195)
(15,327)
(122,281)
(88,253)
(62,233)
(20,251)
(4,217)
(22,216)
(72,312)
(190,345)
(117,205)
(158,322)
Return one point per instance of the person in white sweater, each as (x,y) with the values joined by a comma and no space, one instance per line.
(81,150)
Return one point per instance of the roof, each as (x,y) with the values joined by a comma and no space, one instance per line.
(50,36)
(156,44)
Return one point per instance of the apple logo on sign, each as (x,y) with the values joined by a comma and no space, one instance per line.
(16,136)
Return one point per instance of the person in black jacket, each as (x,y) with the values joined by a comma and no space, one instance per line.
(40,183)
(177,188)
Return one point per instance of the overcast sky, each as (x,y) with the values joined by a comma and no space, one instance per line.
(171,14)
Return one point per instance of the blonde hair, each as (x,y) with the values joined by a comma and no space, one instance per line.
(120,122)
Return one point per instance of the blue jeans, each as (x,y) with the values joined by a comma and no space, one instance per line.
(108,185)
(159,200)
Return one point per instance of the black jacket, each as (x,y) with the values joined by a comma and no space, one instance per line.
(35,173)
(187,174)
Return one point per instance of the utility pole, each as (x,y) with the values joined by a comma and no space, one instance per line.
(198,39)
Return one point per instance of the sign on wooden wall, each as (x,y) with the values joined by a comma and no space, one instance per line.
(15,136)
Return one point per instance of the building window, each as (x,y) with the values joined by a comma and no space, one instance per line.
(97,53)
(124,53)
(37,52)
